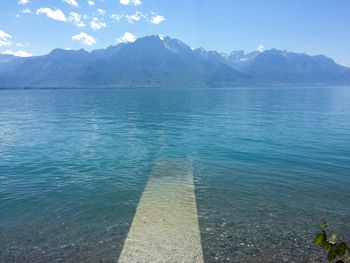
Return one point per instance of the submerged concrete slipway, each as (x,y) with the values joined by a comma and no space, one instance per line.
(165,227)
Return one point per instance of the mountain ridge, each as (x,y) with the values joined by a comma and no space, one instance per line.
(156,61)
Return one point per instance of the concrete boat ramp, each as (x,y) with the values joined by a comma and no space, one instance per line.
(165,227)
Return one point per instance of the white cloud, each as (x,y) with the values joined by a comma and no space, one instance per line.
(101,12)
(126,37)
(157,19)
(116,17)
(23,2)
(4,39)
(137,16)
(27,11)
(71,2)
(56,14)
(91,2)
(19,53)
(96,24)
(134,17)
(260,48)
(131,2)
(136,2)
(76,19)
(84,38)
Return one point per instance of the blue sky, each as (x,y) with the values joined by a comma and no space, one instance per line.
(310,26)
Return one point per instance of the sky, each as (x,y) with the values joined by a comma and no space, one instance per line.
(35,27)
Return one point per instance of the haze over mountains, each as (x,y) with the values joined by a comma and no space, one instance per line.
(155,61)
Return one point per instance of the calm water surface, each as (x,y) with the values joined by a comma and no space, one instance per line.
(267,164)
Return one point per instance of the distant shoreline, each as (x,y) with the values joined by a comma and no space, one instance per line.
(177,88)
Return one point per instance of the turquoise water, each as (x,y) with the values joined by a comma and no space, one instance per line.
(268,164)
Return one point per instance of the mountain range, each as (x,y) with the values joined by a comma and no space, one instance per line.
(156,61)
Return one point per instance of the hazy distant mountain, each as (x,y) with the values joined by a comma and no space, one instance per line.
(280,67)
(276,67)
(6,58)
(155,61)
(9,62)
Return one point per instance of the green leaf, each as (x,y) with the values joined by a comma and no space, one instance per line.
(333,252)
(342,247)
(320,238)
(323,226)
(333,239)
(325,245)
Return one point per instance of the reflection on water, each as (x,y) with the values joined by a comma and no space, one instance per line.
(267,163)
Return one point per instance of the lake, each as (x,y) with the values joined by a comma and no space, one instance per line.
(268,164)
